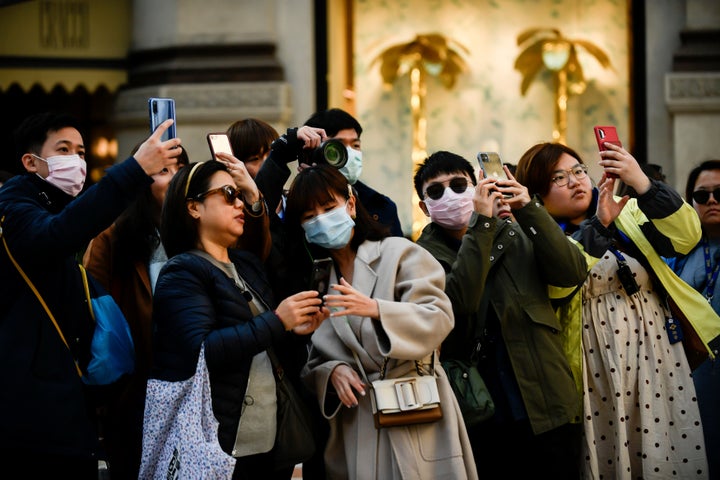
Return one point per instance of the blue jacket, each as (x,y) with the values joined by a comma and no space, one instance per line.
(194,303)
(43,403)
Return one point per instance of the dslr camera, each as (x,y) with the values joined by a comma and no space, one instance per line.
(331,152)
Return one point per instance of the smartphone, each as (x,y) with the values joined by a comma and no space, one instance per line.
(219,142)
(160,110)
(320,278)
(606,134)
(492,166)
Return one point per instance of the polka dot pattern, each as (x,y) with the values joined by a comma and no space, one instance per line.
(641,417)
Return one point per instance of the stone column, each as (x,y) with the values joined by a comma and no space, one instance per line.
(692,90)
(217,58)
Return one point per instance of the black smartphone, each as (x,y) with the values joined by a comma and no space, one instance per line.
(492,166)
(219,142)
(161,109)
(320,277)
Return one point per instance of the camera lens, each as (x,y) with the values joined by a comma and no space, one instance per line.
(334,153)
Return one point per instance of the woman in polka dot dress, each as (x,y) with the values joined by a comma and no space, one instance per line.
(640,414)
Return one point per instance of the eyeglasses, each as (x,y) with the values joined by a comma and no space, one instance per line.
(437,190)
(562,177)
(230,194)
(703,196)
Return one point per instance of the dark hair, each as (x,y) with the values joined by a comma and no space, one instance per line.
(537,164)
(136,229)
(178,230)
(32,133)
(251,136)
(333,120)
(439,163)
(695,173)
(318,185)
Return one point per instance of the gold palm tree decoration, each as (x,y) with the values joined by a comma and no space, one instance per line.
(427,54)
(547,47)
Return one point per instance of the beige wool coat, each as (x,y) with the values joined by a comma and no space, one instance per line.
(415,317)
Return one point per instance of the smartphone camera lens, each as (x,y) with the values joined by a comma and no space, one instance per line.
(484,157)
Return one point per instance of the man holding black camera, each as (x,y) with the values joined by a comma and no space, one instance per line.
(303,144)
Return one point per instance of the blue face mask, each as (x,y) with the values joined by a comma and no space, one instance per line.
(331,230)
(353,167)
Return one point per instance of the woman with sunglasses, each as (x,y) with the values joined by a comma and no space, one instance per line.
(640,414)
(700,270)
(209,294)
(390,315)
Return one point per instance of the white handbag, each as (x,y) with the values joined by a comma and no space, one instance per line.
(406,393)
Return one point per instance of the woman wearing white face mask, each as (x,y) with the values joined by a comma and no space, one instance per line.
(387,294)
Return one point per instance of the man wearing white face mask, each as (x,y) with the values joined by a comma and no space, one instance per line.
(47,416)
(500,255)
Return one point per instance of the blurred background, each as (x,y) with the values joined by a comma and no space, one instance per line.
(420,75)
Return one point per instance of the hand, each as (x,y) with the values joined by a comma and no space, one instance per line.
(315,320)
(243,181)
(608,209)
(520,195)
(311,137)
(352,302)
(617,160)
(485,195)
(300,309)
(345,379)
(154,155)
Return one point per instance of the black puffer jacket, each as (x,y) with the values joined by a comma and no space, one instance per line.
(44,407)
(196,302)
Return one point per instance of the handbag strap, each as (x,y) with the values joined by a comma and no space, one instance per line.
(37,294)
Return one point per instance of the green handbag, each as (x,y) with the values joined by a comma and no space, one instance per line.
(472,395)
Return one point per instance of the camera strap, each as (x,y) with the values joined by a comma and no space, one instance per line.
(624,273)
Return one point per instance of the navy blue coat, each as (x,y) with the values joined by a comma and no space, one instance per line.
(196,302)
(43,403)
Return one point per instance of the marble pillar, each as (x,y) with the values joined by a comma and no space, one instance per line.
(692,90)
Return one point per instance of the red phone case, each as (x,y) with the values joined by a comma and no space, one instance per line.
(606,134)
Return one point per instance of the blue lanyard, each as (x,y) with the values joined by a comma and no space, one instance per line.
(711,274)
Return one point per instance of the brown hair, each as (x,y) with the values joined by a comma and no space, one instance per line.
(250,137)
(537,164)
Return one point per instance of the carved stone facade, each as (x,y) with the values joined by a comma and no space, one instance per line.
(692,90)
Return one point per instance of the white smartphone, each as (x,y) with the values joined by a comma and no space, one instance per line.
(161,109)
(219,142)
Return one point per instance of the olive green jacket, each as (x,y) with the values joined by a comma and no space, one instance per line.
(509,266)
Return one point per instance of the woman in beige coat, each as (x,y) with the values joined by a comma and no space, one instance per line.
(390,309)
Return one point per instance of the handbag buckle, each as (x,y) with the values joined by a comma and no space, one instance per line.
(407,394)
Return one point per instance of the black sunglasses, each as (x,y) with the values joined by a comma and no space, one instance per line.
(703,196)
(437,190)
(230,193)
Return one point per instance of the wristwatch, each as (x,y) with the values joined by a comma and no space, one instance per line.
(257,206)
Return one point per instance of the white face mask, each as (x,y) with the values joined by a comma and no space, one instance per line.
(353,168)
(66,172)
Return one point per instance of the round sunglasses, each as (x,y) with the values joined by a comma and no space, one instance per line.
(229,192)
(435,191)
(703,196)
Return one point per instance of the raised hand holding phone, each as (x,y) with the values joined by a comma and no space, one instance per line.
(607,134)
(161,109)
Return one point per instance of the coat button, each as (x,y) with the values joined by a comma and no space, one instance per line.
(511,233)
(492,258)
(486,224)
(500,247)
